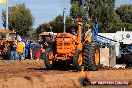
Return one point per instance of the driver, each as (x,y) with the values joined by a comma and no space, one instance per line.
(88,33)
(74,33)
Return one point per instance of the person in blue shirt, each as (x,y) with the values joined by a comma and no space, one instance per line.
(27,50)
(33,49)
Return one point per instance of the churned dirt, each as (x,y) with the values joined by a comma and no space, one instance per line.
(33,74)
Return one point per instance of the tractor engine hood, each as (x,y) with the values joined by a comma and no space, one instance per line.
(65,43)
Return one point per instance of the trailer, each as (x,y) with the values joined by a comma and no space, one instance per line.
(123,45)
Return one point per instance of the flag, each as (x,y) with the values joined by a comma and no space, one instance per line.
(2,1)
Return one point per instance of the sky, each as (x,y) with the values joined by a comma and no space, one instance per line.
(46,10)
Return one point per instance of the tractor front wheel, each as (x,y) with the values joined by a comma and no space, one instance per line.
(48,58)
(77,60)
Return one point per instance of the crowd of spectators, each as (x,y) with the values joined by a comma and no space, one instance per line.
(30,49)
(23,49)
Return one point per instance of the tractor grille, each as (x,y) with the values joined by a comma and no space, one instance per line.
(64,45)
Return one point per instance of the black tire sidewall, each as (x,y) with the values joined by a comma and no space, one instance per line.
(46,58)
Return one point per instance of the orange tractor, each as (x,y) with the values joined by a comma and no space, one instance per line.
(4,44)
(71,50)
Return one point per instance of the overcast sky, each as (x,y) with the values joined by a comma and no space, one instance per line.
(45,10)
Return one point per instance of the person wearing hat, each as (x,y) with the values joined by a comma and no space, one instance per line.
(20,49)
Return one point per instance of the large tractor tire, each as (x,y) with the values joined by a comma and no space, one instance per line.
(77,59)
(91,56)
(48,58)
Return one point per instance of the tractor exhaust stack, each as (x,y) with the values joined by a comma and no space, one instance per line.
(79,22)
(64,20)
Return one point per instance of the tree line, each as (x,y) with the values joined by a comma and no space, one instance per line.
(20,19)
(110,18)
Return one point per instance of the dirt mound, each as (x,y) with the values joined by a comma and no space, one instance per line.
(33,74)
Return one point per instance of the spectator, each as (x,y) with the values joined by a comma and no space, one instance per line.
(24,42)
(38,52)
(27,51)
(20,49)
(13,50)
(1,37)
(35,50)
(32,49)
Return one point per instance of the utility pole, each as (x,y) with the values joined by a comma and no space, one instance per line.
(7,20)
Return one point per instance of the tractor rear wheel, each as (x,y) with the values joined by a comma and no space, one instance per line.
(48,58)
(77,59)
(91,56)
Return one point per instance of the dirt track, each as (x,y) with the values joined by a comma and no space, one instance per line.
(32,74)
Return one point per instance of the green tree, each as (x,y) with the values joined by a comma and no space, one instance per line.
(78,9)
(103,10)
(20,19)
(57,25)
(70,24)
(42,28)
(32,34)
(125,13)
